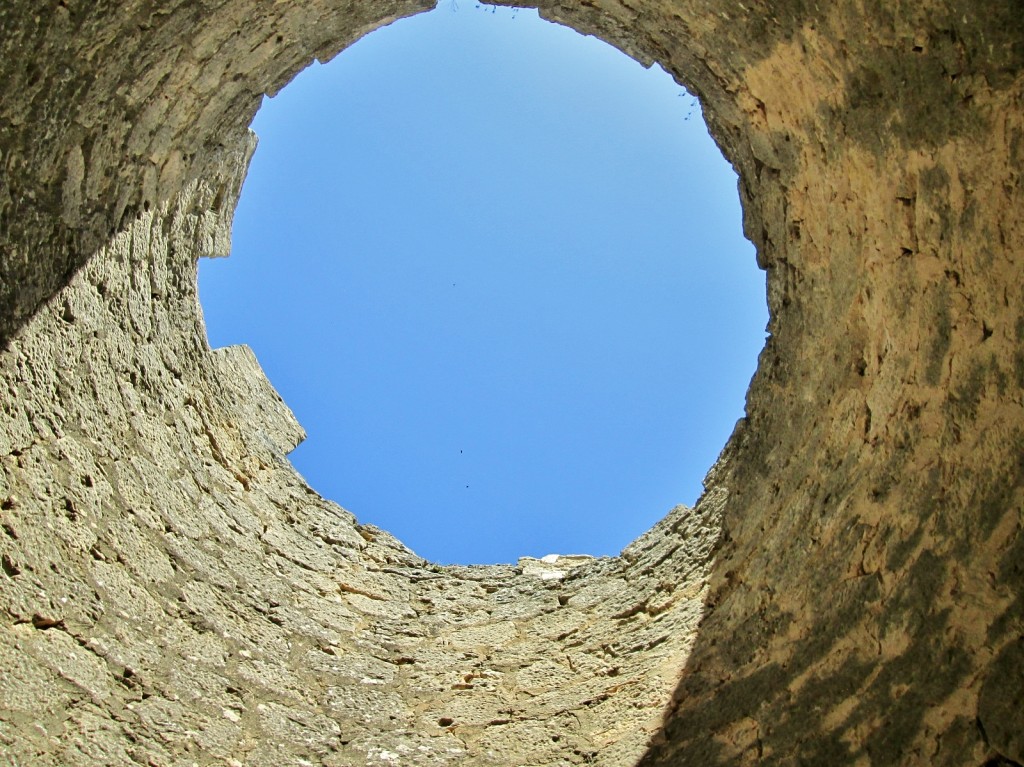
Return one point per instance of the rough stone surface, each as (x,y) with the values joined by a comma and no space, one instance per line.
(847,591)
(174,592)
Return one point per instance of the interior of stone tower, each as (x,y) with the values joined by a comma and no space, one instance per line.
(847,590)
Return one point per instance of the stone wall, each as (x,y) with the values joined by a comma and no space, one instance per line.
(847,591)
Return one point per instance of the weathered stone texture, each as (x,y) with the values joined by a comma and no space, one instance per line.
(175,592)
(848,591)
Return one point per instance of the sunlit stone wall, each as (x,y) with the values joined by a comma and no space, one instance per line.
(846,592)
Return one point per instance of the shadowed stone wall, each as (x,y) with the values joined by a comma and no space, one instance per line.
(848,590)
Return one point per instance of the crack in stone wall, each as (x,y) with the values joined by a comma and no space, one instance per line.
(847,591)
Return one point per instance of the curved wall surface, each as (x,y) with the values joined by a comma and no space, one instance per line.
(847,591)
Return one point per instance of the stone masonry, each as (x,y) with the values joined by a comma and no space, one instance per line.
(848,590)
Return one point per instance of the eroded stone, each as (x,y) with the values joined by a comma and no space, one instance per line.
(847,591)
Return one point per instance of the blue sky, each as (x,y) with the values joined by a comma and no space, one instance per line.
(497,270)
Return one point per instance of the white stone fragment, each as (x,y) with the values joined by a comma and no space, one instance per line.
(544,568)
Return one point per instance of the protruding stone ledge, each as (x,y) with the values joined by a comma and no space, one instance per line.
(254,399)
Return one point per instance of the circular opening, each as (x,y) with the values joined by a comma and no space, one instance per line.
(496,269)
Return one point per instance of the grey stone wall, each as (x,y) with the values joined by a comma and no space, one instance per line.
(846,592)
(174,592)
